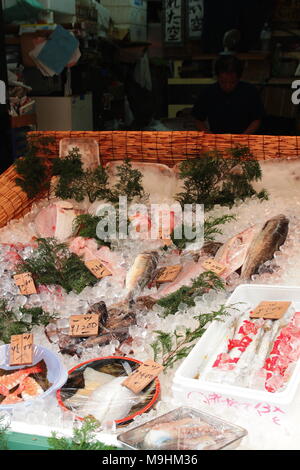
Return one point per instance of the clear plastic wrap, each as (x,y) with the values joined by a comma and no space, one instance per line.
(56,372)
(184,429)
(95,388)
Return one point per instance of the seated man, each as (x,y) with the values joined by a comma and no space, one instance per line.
(230,105)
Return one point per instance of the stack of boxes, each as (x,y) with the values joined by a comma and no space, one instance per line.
(129,17)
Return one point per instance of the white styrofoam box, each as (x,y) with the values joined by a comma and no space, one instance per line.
(125,3)
(132,15)
(65,6)
(186,388)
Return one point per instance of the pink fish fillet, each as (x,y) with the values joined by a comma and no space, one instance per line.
(233,253)
(190,271)
(88,249)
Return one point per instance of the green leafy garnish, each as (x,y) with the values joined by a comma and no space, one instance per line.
(17,323)
(186,295)
(213,179)
(53,264)
(168,348)
(84,438)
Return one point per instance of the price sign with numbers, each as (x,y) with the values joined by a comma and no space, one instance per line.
(25,283)
(270,310)
(214,266)
(143,376)
(97,268)
(84,325)
(21,350)
(168,274)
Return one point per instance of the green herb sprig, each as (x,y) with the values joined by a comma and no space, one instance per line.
(10,324)
(168,348)
(213,179)
(206,281)
(84,438)
(53,264)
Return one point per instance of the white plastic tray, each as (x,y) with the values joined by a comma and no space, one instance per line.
(184,385)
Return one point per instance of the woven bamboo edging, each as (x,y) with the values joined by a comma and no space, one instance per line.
(169,147)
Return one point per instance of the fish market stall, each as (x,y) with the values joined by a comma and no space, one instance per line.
(213,322)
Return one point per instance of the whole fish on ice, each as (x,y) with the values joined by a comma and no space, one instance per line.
(233,253)
(263,246)
(142,270)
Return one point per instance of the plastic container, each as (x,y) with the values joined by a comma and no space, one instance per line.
(227,436)
(190,390)
(56,372)
(99,364)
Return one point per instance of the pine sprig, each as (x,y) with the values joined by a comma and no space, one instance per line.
(84,438)
(53,264)
(186,295)
(129,183)
(211,228)
(169,348)
(33,171)
(12,324)
(3,434)
(213,179)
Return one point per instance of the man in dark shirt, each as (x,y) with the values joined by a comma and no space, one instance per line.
(230,106)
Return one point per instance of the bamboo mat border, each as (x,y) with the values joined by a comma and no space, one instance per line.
(168,148)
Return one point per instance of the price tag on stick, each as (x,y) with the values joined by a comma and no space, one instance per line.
(214,266)
(97,268)
(270,310)
(21,350)
(168,274)
(84,325)
(139,379)
(25,283)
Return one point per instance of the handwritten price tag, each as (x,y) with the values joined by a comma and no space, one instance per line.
(97,268)
(84,325)
(168,274)
(270,310)
(25,283)
(143,376)
(21,350)
(214,266)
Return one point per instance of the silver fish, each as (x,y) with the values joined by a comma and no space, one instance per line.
(267,241)
(142,270)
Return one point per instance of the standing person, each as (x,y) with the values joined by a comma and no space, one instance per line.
(230,106)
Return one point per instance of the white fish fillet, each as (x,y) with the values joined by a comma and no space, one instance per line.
(110,402)
(56,220)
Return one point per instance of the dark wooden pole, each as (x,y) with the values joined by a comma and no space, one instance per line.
(5,131)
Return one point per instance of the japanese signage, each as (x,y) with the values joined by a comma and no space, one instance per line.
(168,274)
(270,310)
(212,265)
(25,283)
(21,350)
(97,268)
(173,21)
(137,381)
(195,18)
(84,325)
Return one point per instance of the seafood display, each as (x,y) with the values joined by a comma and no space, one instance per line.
(114,323)
(23,384)
(183,429)
(56,220)
(259,353)
(259,245)
(95,389)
